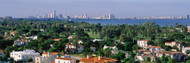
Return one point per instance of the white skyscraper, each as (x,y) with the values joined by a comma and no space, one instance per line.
(111,16)
(54,14)
(85,16)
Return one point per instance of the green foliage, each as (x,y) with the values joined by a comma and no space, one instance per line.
(5,43)
(147,59)
(171,61)
(128,46)
(188,61)
(120,56)
(8,50)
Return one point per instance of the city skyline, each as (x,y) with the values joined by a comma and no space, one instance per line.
(121,8)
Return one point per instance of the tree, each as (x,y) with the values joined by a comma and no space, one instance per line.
(150,43)
(8,50)
(171,61)
(188,61)
(147,59)
(128,46)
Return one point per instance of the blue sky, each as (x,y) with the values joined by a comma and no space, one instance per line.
(121,8)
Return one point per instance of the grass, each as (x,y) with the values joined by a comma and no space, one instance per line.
(79,55)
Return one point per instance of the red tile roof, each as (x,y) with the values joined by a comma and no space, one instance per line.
(1,50)
(96,60)
(63,58)
(53,53)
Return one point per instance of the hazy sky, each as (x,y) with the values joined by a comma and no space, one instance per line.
(121,8)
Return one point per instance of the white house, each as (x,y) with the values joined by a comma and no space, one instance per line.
(1,53)
(46,57)
(174,43)
(64,60)
(185,49)
(32,37)
(142,43)
(173,55)
(80,42)
(24,55)
(153,49)
(142,57)
(73,48)
(97,40)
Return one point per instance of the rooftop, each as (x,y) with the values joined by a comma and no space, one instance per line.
(1,50)
(53,53)
(63,58)
(96,60)
(168,52)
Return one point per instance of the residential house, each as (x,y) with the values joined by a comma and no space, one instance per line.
(32,37)
(153,49)
(71,36)
(142,43)
(64,60)
(143,56)
(72,48)
(20,42)
(46,57)
(98,59)
(97,40)
(1,53)
(13,33)
(93,48)
(188,28)
(24,55)
(174,43)
(56,39)
(173,55)
(185,49)
(80,42)
(114,49)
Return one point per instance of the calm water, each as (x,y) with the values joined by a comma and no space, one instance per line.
(161,22)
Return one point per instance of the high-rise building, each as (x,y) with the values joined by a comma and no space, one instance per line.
(60,16)
(54,14)
(188,17)
(104,16)
(85,16)
(111,16)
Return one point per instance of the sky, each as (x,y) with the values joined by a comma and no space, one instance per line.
(120,8)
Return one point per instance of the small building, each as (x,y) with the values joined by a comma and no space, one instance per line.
(142,57)
(173,55)
(74,48)
(153,49)
(46,57)
(64,60)
(71,36)
(185,49)
(1,53)
(142,43)
(174,43)
(97,40)
(20,42)
(56,39)
(13,33)
(98,59)
(24,55)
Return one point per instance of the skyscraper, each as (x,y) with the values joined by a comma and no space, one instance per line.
(85,16)
(54,14)
(111,16)
(188,17)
